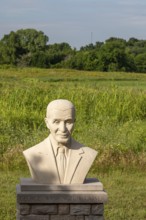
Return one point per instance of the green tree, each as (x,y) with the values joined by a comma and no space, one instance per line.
(87,47)
(9,46)
(132,41)
(113,56)
(20,45)
(58,53)
(40,59)
(140,61)
(136,47)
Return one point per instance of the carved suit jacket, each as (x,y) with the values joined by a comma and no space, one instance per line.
(43,168)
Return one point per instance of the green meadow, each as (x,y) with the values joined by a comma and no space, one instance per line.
(110,117)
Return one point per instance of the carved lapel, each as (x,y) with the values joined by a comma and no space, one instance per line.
(49,164)
(76,154)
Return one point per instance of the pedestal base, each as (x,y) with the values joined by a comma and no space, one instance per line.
(60,202)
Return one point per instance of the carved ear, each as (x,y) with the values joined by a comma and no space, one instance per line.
(47,123)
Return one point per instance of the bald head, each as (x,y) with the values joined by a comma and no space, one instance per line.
(61,105)
(60,120)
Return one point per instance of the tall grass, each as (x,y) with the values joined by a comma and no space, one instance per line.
(110,117)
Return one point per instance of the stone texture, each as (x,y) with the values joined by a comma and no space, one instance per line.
(95,217)
(44,209)
(63,209)
(80,209)
(56,197)
(57,205)
(80,217)
(90,184)
(62,217)
(97,209)
(24,209)
(34,217)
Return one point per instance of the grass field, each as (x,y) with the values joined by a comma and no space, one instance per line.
(111,118)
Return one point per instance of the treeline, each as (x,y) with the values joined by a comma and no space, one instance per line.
(30,48)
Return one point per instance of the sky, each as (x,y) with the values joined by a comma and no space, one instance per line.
(77,22)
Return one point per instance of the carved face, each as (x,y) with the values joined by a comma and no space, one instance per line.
(61,123)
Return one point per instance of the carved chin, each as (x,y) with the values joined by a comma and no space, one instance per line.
(63,140)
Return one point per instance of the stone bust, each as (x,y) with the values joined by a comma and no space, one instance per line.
(59,159)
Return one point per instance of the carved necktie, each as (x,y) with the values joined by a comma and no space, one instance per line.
(61,162)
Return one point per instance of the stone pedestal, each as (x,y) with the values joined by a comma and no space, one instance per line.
(60,202)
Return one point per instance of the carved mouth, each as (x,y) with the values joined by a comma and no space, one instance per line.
(63,135)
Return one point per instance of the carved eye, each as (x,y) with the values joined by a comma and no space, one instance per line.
(69,121)
(56,121)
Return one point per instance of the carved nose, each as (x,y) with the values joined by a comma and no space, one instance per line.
(62,127)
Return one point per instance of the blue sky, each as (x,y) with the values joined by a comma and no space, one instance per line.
(77,22)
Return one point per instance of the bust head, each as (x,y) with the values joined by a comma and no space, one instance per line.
(60,118)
